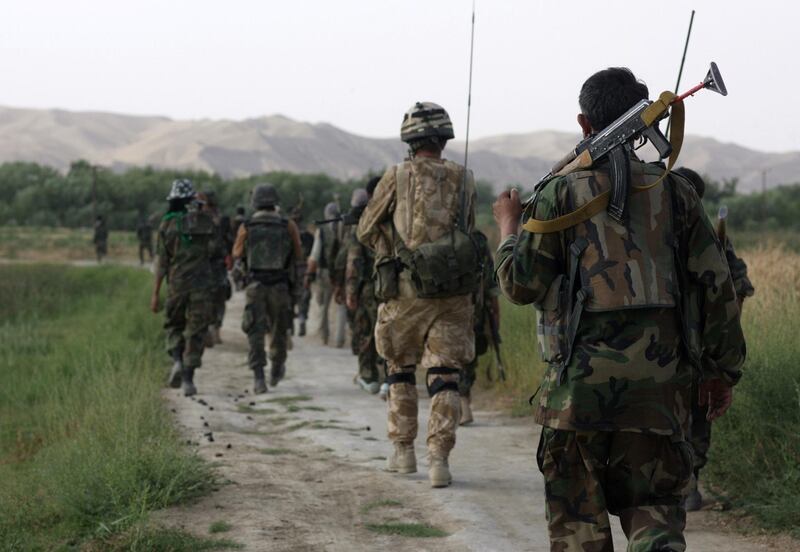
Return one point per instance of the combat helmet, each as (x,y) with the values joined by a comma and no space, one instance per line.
(426,120)
(360,198)
(264,196)
(182,188)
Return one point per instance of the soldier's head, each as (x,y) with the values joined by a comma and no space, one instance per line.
(426,128)
(264,197)
(607,95)
(694,179)
(372,184)
(359,198)
(331,210)
(180,194)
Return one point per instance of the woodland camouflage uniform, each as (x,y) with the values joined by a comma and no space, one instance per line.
(304,301)
(419,202)
(269,243)
(144,234)
(100,238)
(615,403)
(185,247)
(484,299)
(359,284)
(221,291)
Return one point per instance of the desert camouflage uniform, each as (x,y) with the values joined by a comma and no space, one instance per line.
(615,406)
(270,291)
(420,201)
(483,303)
(358,283)
(700,432)
(185,247)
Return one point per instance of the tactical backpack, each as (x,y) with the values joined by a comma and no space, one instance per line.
(269,244)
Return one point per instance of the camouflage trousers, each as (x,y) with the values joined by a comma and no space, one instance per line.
(469,372)
(639,477)
(145,246)
(188,317)
(699,431)
(324,299)
(437,336)
(219,297)
(363,328)
(267,310)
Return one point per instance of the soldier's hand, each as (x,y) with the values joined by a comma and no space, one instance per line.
(717,395)
(507,210)
(155,304)
(352,302)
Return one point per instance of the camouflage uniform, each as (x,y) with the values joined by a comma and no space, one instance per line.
(700,431)
(419,202)
(327,241)
(359,284)
(185,247)
(615,395)
(144,233)
(304,302)
(484,299)
(270,244)
(100,238)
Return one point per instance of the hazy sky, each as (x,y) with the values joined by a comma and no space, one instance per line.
(359,64)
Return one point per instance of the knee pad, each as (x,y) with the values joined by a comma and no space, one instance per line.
(438,384)
(402,377)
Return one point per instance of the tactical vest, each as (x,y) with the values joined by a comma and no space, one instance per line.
(611,266)
(443,260)
(329,233)
(269,244)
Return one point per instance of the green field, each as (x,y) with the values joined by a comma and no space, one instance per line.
(31,243)
(755,454)
(87,448)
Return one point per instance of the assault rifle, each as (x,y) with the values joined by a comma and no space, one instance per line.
(613,142)
(350,218)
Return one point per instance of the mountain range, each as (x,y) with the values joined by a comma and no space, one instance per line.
(238,148)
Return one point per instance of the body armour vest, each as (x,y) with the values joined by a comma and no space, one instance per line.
(611,266)
(269,244)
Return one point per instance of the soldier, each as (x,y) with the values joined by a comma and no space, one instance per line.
(306,243)
(269,244)
(100,239)
(221,291)
(327,241)
(486,305)
(618,305)
(237,221)
(360,300)
(144,233)
(700,430)
(185,247)
(421,215)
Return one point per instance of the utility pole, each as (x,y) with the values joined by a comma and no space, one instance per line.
(94,193)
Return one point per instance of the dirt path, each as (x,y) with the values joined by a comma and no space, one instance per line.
(305,466)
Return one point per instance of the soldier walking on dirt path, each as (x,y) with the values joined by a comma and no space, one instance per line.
(327,242)
(486,305)
(362,305)
(186,245)
(144,235)
(306,243)
(269,244)
(100,238)
(220,263)
(700,430)
(618,305)
(418,225)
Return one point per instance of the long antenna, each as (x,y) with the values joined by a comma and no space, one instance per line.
(469,111)
(683,60)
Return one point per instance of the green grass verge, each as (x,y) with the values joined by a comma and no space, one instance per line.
(385,503)
(86,446)
(220,527)
(417,530)
(149,539)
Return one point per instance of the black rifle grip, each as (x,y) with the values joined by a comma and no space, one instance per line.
(659,141)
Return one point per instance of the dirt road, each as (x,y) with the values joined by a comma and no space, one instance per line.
(304,466)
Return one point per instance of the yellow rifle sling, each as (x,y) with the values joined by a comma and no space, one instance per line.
(599,203)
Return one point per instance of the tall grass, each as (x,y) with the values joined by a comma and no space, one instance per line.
(755,447)
(86,447)
(31,243)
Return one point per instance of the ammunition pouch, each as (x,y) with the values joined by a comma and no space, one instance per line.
(436,384)
(386,278)
(447,267)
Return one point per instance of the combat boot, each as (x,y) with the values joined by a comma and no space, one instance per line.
(694,500)
(276,373)
(439,471)
(259,381)
(466,412)
(187,382)
(175,374)
(371,387)
(402,459)
(302,331)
